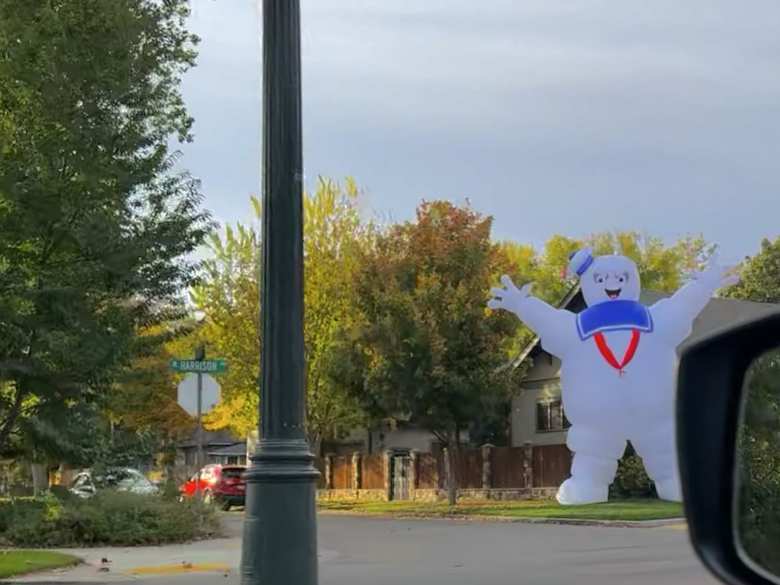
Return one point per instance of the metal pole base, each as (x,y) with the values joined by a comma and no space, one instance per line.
(280,516)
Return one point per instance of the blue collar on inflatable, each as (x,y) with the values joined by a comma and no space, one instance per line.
(613,316)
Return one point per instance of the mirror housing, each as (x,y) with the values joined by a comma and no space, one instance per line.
(709,398)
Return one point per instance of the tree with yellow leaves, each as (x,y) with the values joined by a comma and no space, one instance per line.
(229,298)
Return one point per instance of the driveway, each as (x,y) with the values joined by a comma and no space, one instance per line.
(360,551)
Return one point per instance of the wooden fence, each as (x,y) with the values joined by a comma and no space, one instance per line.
(428,475)
(551,465)
(372,471)
(488,467)
(469,468)
(508,467)
(342,472)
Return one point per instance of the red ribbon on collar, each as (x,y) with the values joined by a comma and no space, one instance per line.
(609,357)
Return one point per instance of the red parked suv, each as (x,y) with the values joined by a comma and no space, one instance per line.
(221,484)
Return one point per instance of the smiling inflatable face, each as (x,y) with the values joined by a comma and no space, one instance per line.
(610,278)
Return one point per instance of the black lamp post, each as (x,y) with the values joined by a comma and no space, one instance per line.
(280,538)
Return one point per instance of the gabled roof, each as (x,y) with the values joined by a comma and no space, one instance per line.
(567,302)
(220,438)
(718,313)
(235,449)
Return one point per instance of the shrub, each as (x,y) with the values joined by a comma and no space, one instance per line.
(62,493)
(110,518)
(170,490)
(631,480)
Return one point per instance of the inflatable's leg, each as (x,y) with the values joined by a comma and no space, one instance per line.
(593,467)
(658,451)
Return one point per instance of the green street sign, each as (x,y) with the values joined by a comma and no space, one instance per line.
(201,366)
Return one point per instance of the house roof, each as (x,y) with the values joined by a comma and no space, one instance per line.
(717,314)
(235,449)
(211,439)
(569,301)
(720,313)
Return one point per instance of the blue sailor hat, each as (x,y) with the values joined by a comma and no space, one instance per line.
(579,262)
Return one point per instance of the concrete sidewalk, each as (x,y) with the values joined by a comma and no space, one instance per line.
(213,558)
(219,556)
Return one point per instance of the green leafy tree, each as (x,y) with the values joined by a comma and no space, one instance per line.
(663,268)
(760,275)
(82,435)
(426,348)
(95,225)
(229,297)
(143,400)
(334,236)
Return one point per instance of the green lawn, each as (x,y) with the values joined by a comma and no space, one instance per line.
(615,510)
(18,562)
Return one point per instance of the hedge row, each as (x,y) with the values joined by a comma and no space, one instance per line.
(108,519)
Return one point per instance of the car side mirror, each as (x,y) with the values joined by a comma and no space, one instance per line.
(728,431)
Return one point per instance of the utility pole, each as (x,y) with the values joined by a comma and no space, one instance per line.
(280,533)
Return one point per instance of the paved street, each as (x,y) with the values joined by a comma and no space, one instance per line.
(360,551)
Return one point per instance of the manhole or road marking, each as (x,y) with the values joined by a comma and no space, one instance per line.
(181,568)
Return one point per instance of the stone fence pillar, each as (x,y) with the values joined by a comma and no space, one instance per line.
(487,466)
(528,464)
(414,459)
(448,471)
(357,476)
(329,471)
(387,460)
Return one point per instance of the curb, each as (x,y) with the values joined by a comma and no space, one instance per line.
(607,523)
(660,523)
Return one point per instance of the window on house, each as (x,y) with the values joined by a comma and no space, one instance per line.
(550,416)
(189,457)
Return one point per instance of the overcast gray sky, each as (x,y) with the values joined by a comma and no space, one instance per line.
(554,116)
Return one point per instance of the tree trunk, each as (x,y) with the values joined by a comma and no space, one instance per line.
(315,444)
(9,423)
(40,477)
(451,469)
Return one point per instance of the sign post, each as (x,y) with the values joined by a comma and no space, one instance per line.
(198,492)
(199,366)
(200,355)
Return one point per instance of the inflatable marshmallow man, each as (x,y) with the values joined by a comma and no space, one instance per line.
(618,373)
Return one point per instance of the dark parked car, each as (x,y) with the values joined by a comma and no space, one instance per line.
(221,484)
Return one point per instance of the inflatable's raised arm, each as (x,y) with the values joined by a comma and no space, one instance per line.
(674,315)
(555,327)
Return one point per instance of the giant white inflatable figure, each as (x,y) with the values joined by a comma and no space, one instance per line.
(618,368)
